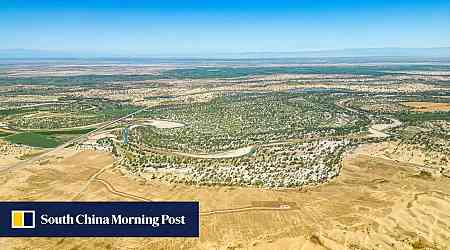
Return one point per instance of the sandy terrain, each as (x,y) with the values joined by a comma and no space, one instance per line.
(375,203)
(75,70)
(164,124)
(99,136)
(134,126)
(398,151)
(427,106)
(226,154)
(11,154)
(376,130)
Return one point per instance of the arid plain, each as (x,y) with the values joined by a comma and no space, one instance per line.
(375,203)
(297,156)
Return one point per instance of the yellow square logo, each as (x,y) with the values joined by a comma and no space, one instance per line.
(22,219)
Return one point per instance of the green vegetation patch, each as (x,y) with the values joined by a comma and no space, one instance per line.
(66,132)
(240,119)
(3,134)
(416,118)
(81,80)
(67,116)
(34,140)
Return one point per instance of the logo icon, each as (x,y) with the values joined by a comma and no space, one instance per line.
(22,219)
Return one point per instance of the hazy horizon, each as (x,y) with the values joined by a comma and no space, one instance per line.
(438,52)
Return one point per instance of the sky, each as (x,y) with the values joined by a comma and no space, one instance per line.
(177,27)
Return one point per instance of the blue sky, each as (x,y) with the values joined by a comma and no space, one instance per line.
(171,27)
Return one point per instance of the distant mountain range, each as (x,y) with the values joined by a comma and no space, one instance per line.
(362,52)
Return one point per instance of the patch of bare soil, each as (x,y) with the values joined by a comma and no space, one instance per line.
(163,124)
(409,154)
(220,155)
(427,106)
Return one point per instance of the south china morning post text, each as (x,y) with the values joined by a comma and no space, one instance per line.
(99,219)
(114,219)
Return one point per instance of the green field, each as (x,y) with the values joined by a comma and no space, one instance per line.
(34,140)
(44,138)
(3,134)
(65,132)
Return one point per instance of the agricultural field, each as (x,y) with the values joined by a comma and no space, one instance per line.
(3,134)
(428,106)
(33,139)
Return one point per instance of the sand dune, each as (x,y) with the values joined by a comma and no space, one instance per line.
(164,124)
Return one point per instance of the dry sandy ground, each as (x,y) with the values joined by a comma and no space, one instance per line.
(158,124)
(101,135)
(164,124)
(398,151)
(221,155)
(376,129)
(11,154)
(427,106)
(374,204)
